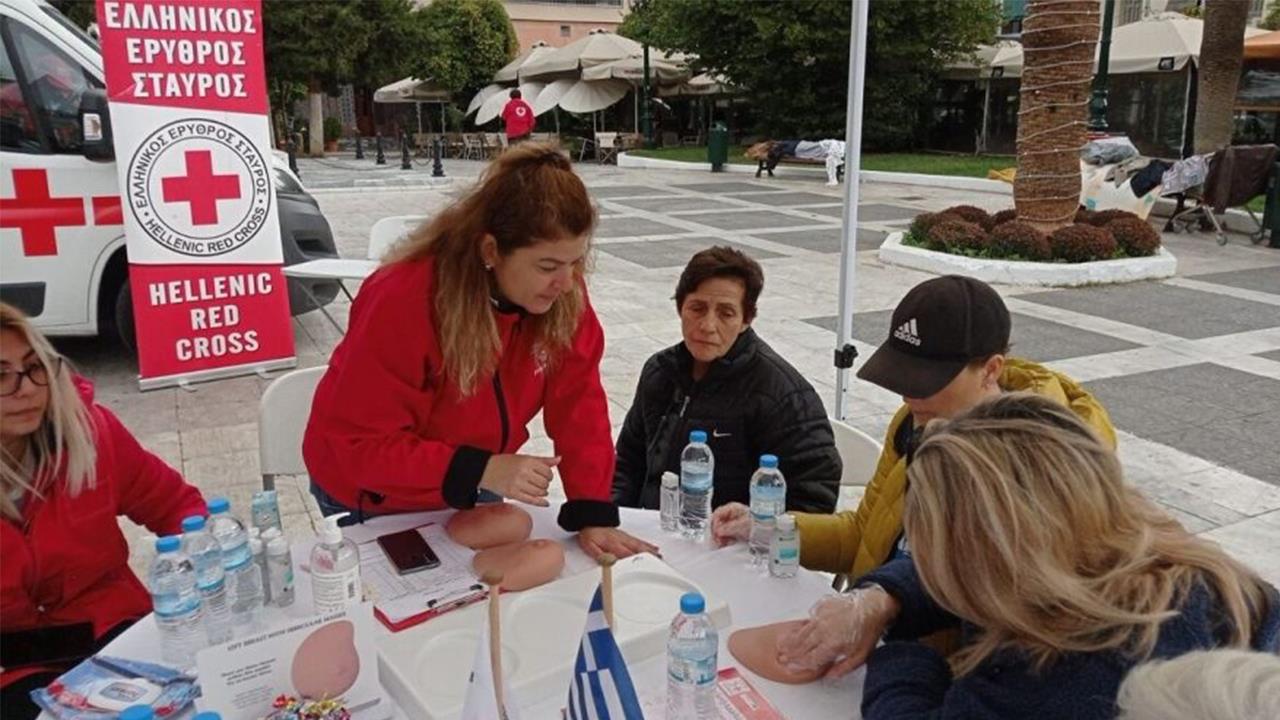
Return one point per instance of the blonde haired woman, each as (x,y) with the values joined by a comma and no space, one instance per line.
(70,468)
(1208,685)
(1060,576)
(477,324)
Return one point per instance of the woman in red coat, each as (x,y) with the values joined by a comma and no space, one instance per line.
(477,323)
(70,469)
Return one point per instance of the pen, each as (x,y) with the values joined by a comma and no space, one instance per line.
(467,595)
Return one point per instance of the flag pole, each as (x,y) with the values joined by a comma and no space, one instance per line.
(606,586)
(494,581)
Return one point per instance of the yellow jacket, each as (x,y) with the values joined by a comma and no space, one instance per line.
(856,542)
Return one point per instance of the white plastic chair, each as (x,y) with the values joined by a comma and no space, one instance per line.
(859,453)
(282,419)
(385,233)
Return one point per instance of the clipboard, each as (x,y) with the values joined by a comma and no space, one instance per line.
(435,607)
(402,601)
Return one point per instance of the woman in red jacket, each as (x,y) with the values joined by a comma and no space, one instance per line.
(70,468)
(476,323)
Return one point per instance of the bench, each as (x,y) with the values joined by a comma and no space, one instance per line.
(763,165)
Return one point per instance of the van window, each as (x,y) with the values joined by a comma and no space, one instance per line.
(53,83)
(17,124)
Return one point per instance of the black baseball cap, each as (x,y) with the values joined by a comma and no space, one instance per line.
(939,327)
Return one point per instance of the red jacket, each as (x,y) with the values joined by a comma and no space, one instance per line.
(71,562)
(389,432)
(518,117)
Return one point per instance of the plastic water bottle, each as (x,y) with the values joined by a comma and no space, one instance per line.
(768,501)
(692,646)
(784,554)
(175,598)
(669,503)
(244,578)
(697,473)
(206,557)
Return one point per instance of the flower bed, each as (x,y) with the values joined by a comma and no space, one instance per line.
(973,232)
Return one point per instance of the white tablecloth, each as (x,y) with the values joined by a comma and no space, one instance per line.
(754,598)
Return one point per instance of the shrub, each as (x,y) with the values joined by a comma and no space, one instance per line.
(332,129)
(958,235)
(924,222)
(1102,217)
(970,213)
(1019,238)
(1134,236)
(1082,243)
(1083,215)
(1000,218)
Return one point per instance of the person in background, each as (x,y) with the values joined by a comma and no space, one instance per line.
(725,380)
(518,118)
(1204,685)
(477,323)
(1059,576)
(70,469)
(946,352)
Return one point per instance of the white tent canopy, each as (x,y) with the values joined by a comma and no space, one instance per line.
(599,46)
(480,97)
(631,69)
(510,72)
(551,94)
(704,84)
(410,90)
(493,105)
(587,96)
(1004,59)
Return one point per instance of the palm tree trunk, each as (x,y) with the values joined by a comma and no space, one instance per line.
(1221,55)
(1058,40)
(315,146)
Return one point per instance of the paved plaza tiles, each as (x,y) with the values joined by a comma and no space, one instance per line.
(1189,367)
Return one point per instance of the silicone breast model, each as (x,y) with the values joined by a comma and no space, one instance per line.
(523,565)
(757,649)
(490,525)
(326,664)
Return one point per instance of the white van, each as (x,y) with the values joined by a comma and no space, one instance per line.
(62,247)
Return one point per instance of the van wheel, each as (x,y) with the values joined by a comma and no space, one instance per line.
(122,318)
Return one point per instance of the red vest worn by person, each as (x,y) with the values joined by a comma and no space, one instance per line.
(519,118)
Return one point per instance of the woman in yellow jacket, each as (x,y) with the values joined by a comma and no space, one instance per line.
(946,353)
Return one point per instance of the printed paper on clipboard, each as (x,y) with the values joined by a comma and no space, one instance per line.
(403,600)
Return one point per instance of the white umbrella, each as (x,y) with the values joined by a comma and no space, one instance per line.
(481,96)
(631,69)
(409,90)
(493,105)
(1006,55)
(510,71)
(551,94)
(704,84)
(599,46)
(588,96)
(1159,43)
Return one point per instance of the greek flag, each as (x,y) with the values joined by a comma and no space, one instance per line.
(601,687)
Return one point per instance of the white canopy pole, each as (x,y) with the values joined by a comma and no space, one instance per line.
(852,163)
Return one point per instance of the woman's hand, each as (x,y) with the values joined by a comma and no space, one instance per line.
(523,478)
(840,633)
(597,541)
(730,522)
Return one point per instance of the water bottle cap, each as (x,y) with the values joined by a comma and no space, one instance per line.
(769,461)
(786,522)
(692,603)
(698,436)
(219,505)
(137,712)
(192,523)
(670,479)
(168,543)
(270,534)
(278,546)
(255,546)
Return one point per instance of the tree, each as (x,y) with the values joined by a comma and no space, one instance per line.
(469,41)
(793,57)
(1272,20)
(1058,39)
(79,12)
(1221,56)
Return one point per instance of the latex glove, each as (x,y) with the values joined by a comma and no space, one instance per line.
(730,522)
(840,633)
(523,478)
(596,541)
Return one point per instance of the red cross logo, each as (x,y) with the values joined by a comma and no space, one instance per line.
(201,188)
(36,214)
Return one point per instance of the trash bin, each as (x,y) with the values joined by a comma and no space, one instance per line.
(718,147)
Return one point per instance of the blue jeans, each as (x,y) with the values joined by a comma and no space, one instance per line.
(330,506)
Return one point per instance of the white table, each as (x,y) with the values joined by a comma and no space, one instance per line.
(754,598)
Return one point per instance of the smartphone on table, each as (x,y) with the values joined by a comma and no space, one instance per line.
(408,551)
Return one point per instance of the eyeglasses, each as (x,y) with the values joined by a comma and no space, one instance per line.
(38,374)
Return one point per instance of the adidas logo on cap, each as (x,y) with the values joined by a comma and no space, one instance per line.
(906,332)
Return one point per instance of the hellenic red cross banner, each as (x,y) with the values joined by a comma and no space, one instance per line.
(188,101)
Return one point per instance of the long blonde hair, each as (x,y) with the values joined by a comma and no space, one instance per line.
(1020,522)
(527,195)
(64,440)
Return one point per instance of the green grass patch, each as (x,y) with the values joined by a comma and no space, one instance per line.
(923,163)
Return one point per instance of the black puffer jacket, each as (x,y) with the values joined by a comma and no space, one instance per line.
(750,402)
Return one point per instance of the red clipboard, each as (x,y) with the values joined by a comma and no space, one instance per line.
(470,598)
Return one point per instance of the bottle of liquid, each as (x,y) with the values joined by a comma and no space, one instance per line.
(244,578)
(697,473)
(265,510)
(784,555)
(175,598)
(206,557)
(280,571)
(768,501)
(669,503)
(692,646)
(335,569)
(258,549)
